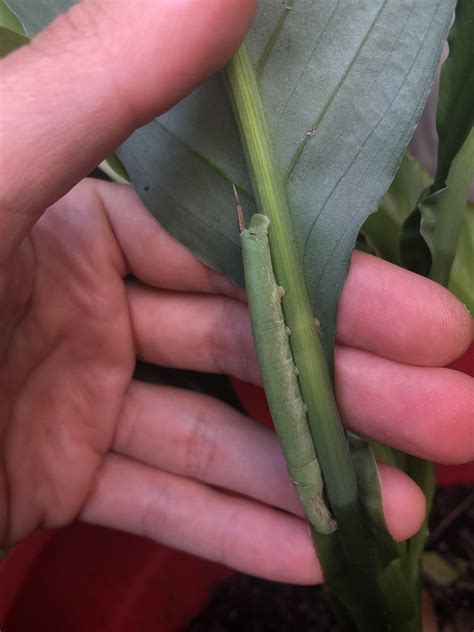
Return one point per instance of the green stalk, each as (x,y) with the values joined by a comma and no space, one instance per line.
(307,349)
(347,555)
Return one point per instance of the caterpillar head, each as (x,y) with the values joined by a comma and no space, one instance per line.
(259,225)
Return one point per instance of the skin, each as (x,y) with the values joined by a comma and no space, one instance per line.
(79,438)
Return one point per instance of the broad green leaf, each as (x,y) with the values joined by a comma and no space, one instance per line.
(442,212)
(9,20)
(343,84)
(455,113)
(382,229)
(10,40)
(12,34)
(461,281)
(34,16)
(430,234)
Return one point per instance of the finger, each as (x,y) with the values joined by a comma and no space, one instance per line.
(400,315)
(192,435)
(190,516)
(81,87)
(197,332)
(423,411)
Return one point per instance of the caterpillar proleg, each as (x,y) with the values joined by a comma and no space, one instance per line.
(279,372)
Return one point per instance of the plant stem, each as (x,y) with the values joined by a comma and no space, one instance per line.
(307,349)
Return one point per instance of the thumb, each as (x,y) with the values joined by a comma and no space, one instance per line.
(80,87)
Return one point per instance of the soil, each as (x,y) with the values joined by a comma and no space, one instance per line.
(254,605)
(452,539)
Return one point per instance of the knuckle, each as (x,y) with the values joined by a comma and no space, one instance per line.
(218,336)
(230,340)
(201,444)
(125,432)
(82,20)
(79,24)
(157,512)
(228,537)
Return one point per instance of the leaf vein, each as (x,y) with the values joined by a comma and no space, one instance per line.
(205,160)
(400,143)
(334,93)
(273,37)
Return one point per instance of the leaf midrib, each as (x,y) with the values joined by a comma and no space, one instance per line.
(273,37)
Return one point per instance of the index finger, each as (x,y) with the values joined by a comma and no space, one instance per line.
(80,88)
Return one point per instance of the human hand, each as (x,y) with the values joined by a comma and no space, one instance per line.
(79,438)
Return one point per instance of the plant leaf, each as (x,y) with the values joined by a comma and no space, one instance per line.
(9,20)
(10,40)
(442,212)
(382,229)
(455,111)
(430,234)
(35,16)
(113,167)
(12,34)
(460,281)
(356,76)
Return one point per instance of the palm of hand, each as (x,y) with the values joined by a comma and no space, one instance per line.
(66,364)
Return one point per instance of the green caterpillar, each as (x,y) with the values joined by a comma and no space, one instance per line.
(279,372)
